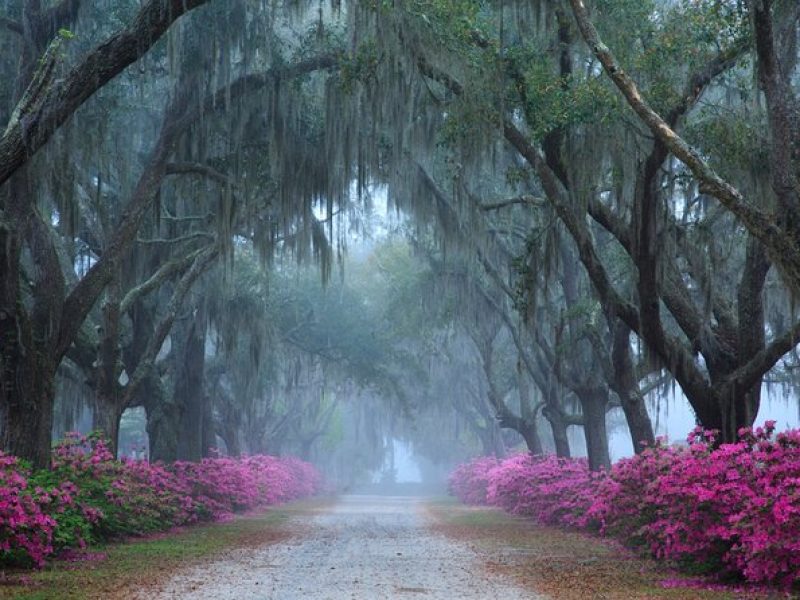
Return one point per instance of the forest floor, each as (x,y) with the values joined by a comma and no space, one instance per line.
(363,548)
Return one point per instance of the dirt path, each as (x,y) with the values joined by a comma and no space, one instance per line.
(365,547)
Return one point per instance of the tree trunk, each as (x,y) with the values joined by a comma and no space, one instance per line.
(163,421)
(108,399)
(189,393)
(639,424)
(106,418)
(229,424)
(305,447)
(27,372)
(28,400)
(527,412)
(594,430)
(532,440)
(734,411)
(627,389)
(230,436)
(209,440)
(499,449)
(558,426)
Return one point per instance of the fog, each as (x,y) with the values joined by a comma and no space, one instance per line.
(365,238)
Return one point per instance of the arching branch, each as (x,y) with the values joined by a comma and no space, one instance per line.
(55,103)
(782,249)
(147,361)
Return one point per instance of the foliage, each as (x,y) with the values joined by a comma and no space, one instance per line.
(564,488)
(26,530)
(729,509)
(552,102)
(89,497)
(470,481)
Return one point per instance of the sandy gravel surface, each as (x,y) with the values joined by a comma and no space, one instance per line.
(365,547)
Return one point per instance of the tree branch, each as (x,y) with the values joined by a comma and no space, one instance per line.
(57,102)
(669,350)
(83,296)
(748,375)
(161,275)
(177,240)
(526,200)
(146,362)
(781,111)
(177,117)
(781,247)
(700,79)
(655,384)
(182,168)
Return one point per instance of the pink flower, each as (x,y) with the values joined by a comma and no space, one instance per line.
(733,509)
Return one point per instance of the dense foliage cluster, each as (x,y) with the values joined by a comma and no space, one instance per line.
(729,509)
(89,497)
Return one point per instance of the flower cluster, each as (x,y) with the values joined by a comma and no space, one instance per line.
(224,485)
(25,527)
(88,496)
(470,481)
(728,509)
(563,490)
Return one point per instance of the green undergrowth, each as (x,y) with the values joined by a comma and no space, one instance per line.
(116,570)
(564,565)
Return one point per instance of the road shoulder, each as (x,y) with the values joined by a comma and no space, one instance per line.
(560,564)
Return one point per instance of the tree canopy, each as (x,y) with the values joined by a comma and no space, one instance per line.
(302,227)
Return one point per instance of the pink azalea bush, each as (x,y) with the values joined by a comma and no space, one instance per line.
(225,485)
(25,528)
(727,509)
(88,496)
(470,481)
(563,492)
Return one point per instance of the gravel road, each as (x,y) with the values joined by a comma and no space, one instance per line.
(364,547)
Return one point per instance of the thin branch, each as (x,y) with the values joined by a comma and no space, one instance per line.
(34,95)
(526,200)
(177,240)
(146,363)
(186,219)
(193,168)
(257,81)
(655,384)
(699,80)
(749,374)
(163,273)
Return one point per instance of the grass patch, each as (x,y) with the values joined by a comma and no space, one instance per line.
(560,564)
(140,563)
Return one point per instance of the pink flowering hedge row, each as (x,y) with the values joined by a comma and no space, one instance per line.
(732,509)
(88,496)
